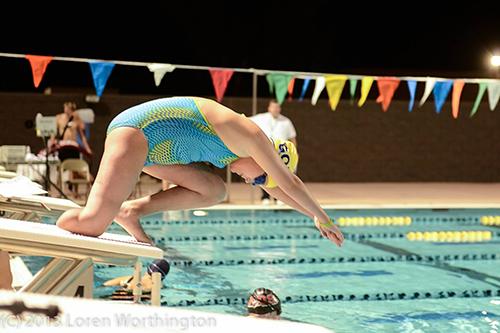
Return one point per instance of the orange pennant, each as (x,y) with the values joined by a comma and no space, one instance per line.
(386,87)
(38,66)
(290,88)
(458,85)
(220,78)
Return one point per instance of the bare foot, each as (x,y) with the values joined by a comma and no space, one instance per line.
(128,219)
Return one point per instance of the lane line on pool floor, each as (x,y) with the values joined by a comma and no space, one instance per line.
(441,265)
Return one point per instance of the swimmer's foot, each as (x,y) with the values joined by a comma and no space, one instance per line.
(128,219)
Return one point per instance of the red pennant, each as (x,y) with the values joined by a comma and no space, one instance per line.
(458,85)
(38,66)
(290,89)
(220,78)
(386,87)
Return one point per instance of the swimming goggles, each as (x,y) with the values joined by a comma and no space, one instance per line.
(261,180)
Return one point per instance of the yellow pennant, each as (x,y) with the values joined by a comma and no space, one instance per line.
(366,84)
(334,86)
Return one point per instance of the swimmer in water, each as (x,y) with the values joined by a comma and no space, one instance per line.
(264,303)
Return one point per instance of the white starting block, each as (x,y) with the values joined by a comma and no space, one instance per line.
(20,200)
(84,315)
(6,175)
(32,207)
(71,271)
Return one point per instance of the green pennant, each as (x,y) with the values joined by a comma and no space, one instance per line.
(270,81)
(353,83)
(279,84)
(482,89)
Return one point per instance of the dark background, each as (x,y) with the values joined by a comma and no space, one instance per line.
(421,38)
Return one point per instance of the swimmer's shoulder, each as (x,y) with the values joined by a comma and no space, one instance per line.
(215,112)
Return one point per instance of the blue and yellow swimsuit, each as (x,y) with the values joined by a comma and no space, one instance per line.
(177,132)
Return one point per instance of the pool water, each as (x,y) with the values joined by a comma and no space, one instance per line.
(379,281)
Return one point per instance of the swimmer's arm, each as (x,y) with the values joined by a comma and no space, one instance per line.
(262,151)
(280,195)
(245,138)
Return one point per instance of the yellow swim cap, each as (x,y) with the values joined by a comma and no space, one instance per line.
(289,156)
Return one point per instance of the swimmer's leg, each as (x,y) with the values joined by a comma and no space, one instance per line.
(123,159)
(196,187)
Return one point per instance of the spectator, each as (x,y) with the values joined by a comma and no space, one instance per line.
(69,126)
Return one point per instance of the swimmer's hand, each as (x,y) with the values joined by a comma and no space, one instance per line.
(329,230)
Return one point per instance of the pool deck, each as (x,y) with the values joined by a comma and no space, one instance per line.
(366,195)
(384,195)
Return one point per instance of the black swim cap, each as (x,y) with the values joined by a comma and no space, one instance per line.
(160,265)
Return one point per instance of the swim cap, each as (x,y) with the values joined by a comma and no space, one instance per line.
(289,156)
(263,301)
(162,266)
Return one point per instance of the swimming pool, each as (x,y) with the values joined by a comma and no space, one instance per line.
(379,280)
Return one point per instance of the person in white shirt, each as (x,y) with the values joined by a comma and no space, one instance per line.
(275,126)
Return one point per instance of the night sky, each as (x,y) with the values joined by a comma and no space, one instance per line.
(413,38)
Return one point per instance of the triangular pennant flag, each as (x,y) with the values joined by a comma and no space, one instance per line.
(493,94)
(353,83)
(458,85)
(429,85)
(386,87)
(334,86)
(270,82)
(318,88)
(38,66)
(290,88)
(279,84)
(482,89)
(366,84)
(159,71)
(305,85)
(412,86)
(220,78)
(100,73)
(441,91)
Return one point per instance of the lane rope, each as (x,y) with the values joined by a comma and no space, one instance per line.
(379,296)
(347,235)
(337,260)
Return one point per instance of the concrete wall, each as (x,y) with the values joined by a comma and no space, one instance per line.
(346,145)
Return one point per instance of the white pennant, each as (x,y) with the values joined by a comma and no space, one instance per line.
(429,85)
(318,88)
(159,71)
(493,94)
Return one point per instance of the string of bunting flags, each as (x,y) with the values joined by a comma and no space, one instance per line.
(282,83)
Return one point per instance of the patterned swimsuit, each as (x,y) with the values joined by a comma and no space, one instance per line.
(177,132)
